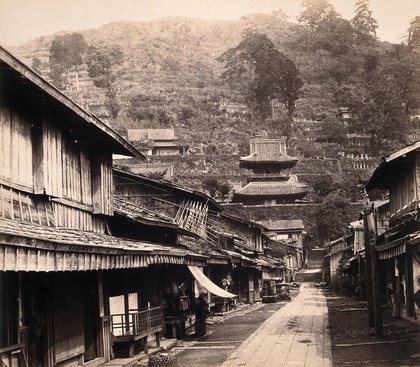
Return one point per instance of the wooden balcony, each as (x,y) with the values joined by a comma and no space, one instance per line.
(137,325)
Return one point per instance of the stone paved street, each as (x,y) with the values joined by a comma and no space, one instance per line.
(296,335)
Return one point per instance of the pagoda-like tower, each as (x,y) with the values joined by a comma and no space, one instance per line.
(268,186)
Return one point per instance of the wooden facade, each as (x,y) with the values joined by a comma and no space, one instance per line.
(56,193)
(397,248)
(63,261)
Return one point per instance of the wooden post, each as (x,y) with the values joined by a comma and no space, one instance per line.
(376,291)
(126,309)
(409,285)
(374,278)
(361,294)
(368,273)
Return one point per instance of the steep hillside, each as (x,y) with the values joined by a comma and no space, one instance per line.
(170,76)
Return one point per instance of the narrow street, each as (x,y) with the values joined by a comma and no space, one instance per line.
(280,334)
(310,330)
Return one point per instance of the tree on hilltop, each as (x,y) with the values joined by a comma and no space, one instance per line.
(324,29)
(66,52)
(364,24)
(386,99)
(315,12)
(263,73)
(413,40)
(101,62)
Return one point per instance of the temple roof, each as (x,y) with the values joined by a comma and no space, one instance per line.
(268,151)
(269,158)
(289,187)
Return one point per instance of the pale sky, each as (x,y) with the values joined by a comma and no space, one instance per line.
(22,20)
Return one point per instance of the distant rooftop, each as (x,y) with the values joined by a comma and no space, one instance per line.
(282,224)
(150,134)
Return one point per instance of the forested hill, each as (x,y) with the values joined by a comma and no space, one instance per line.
(167,74)
(283,79)
(169,45)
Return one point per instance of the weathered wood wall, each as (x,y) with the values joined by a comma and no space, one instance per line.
(43,157)
(404,191)
(144,195)
(15,148)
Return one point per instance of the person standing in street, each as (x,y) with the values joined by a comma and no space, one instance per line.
(201,313)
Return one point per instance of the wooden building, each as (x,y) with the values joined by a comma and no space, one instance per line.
(345,262)
(398,247)
(290,231)
(180,218)
(156,141)
(62,275)
(191,220)
(250,263)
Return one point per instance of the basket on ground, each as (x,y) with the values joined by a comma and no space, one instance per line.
(163,360)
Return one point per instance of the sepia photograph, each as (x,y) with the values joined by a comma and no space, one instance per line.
(218,183)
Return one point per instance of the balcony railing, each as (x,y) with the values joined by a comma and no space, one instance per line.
(137,324)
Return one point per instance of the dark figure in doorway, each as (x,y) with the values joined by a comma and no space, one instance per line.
(201,313)
(417,294)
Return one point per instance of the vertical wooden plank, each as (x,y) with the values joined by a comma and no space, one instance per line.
(96,184)
(17,159)
(79,174)
(59,163)
(6,123)
(51,176)
(53,162)
(45,142)
(14,143)
(2,201)
(64,165)
(66,156)
(76,172)
(28,145)
(22,151)
(72,173)
(49,160)
(58,168)
(38,159)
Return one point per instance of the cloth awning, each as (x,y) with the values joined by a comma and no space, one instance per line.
(206,283)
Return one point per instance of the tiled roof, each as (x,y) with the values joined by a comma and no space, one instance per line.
(98,242)
(274,188)
(150,134)
(281,158)
(282,224)
(268,150)
(167,144)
